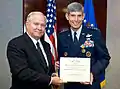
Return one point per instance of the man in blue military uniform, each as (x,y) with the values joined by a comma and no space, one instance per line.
(81,41)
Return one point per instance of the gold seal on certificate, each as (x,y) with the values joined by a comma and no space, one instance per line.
(73,69)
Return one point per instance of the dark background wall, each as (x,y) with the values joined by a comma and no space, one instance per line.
(100,7)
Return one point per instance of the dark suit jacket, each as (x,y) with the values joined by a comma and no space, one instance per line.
(96,50)
(28,71)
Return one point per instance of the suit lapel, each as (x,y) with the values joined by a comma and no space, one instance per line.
(82,36)
(69,37)
(73,48)
(34,50)
(47,51)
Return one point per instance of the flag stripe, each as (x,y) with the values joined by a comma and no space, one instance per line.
(50,35)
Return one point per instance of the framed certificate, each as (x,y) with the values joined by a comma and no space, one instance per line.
(73,69)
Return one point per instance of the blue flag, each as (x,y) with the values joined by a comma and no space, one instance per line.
(89,20)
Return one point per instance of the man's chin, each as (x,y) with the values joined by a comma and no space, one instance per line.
(38,36)
(76,27)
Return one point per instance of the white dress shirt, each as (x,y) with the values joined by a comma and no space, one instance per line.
(78,33)
(41,46)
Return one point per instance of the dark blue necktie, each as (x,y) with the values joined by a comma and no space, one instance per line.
(75,38)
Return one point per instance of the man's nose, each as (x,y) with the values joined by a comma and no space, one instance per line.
(39,26)
(76,18)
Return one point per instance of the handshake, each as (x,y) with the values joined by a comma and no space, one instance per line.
(55,80)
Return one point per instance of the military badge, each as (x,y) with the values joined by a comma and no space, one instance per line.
(89,43)
(88,54)
(65,54)
(83,50)
(82,46)
(83,33)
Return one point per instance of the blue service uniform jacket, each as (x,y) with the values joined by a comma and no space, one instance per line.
(90,45)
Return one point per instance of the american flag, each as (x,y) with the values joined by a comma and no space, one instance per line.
(50,35)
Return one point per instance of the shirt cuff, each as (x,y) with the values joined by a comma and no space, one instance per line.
(51,81)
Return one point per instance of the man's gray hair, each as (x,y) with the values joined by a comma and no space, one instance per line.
(34,13)
(74,7)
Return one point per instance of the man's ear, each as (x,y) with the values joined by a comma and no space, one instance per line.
(83,16)
(26,23)
(66,15)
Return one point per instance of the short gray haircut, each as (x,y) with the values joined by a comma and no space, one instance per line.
(74,7)
(34,13)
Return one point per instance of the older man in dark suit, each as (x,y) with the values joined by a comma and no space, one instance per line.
(30,58)
(83,42)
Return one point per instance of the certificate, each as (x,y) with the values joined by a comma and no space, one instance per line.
(73,69)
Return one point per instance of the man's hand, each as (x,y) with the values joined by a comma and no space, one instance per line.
(57,65)
(91,80)
(56,81)
(54,74)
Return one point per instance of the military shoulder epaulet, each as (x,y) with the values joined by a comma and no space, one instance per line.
(63,31)
(95,28)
